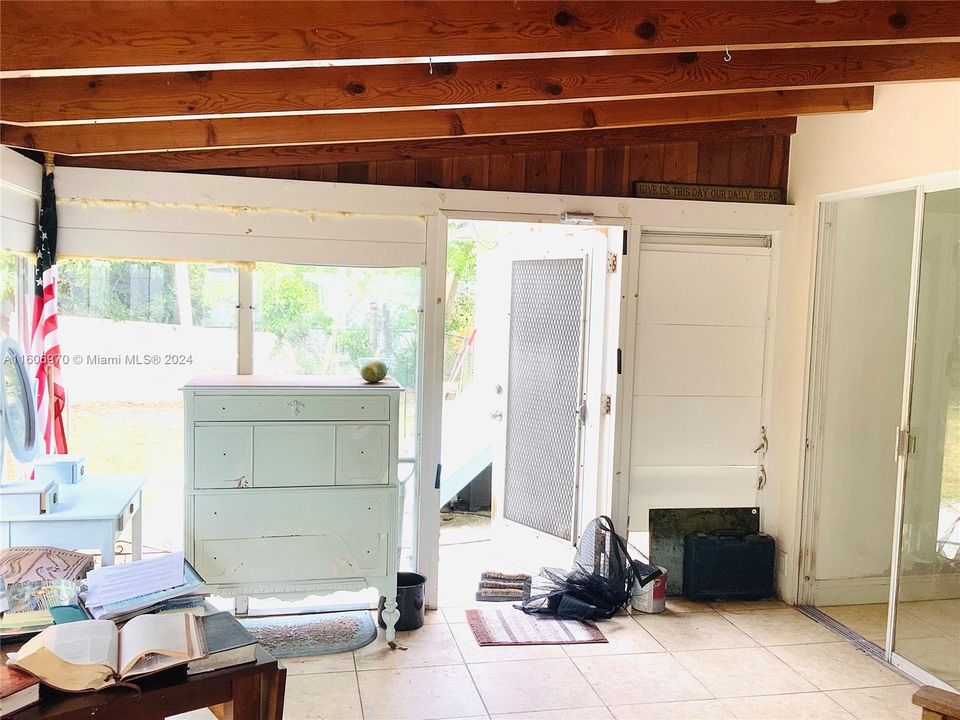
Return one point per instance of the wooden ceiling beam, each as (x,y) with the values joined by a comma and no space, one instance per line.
(51,34)
(51,100)
(444,147)
(423,124)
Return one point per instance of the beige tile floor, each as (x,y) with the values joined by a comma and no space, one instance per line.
(696,661)
(928,632)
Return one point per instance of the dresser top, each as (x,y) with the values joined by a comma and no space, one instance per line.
(286,382)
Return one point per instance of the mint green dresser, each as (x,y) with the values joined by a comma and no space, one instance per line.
(291,486)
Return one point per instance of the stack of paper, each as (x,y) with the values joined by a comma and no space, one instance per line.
(119,592)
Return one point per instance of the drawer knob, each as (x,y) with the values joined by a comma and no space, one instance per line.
(296,407)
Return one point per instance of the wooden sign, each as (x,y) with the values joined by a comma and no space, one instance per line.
(716,193)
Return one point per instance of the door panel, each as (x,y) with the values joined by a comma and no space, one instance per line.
(863,312)
(929,562)
(698,384)
(544,392)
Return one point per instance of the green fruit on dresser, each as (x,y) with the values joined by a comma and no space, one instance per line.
(374,371)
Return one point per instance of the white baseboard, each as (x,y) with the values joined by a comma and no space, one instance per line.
(862,591)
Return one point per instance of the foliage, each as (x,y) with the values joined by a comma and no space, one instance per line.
(462,268)
(8,276)
(290,308)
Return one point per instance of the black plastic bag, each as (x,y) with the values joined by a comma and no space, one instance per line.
(598,585)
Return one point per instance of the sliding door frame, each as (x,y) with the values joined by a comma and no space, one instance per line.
(824,247)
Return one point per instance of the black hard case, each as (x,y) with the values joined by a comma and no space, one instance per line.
(728,565)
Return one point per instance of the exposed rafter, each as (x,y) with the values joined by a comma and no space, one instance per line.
(421,124)
(51,34)
(304,90)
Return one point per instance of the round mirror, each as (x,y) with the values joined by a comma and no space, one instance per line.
(19,415)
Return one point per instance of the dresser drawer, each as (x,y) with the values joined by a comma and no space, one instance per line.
(292,559)
(293,535)
(253,513)
(294,455)
(302,408)
(222,456)
(363,454)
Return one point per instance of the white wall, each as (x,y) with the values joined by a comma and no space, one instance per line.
(117,213)
(913,130)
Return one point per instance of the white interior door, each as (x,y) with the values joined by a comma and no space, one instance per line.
(698,385)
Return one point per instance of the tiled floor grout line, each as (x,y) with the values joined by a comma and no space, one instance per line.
(444,620)
(690,672)
(476,687)
(356,678)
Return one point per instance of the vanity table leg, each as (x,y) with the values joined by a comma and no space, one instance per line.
(136,533)
(390,617)
(106,549)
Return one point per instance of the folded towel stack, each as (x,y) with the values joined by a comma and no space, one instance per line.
(501,587)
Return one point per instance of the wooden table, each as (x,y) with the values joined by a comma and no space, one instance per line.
(245,692)
(90,514)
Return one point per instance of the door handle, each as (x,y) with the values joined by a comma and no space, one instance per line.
(581,413)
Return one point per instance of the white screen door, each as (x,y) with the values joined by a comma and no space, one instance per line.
(545,393)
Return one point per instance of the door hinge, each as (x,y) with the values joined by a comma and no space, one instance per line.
(611,262)
(619,362)
(606,403)
(624,243)
(902,443)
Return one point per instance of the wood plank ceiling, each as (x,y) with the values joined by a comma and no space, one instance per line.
(200,85)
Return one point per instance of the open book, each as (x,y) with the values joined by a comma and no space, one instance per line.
(93,654)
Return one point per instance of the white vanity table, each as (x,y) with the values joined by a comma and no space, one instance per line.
(291,486)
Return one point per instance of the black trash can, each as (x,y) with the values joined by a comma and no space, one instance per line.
(410,590)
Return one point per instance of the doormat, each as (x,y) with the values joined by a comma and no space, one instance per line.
(515,627)
(288,636)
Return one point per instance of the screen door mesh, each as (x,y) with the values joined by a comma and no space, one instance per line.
(543,394)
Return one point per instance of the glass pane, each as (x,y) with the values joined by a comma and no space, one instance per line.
(866,309)
(132,333)
(313,320)
(928,609)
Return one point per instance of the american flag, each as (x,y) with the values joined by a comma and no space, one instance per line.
(44,345)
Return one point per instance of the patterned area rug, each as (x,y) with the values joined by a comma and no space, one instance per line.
(288,636)
(515,627)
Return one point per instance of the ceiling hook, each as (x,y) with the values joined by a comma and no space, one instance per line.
(727,57)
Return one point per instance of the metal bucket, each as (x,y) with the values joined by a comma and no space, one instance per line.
(652,597)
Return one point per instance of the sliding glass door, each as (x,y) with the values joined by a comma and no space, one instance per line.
(882,521)
(925,624)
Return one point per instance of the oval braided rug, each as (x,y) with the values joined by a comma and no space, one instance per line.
(287,636)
